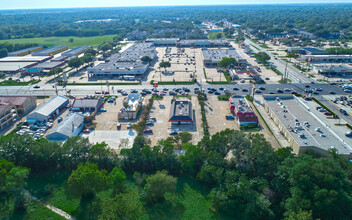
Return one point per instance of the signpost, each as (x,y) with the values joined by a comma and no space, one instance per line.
(155,84)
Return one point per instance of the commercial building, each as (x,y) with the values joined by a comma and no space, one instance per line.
(127,63)
(134,103)
(332,69)
(13,106)
(203,43)
(189,42)
(212,57)
(87,105)
(71,126)
(163,42)
(60,59)
(25,51)
(75,51)
(243,111)
(307,51)
(49,110)
(329,58)
(181,112)
(302,129)
(50,51)
(15,67)
(44,67)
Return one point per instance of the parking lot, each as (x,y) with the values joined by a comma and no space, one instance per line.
(161,129)
(216,111)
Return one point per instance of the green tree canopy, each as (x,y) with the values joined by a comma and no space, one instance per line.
(158,185)
(146,59)
(227,62)
(87,180)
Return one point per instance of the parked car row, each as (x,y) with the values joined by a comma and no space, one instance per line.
(36,130)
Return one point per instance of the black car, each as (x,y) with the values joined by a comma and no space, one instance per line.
(262,88)
(221,88)
(332,92)
(271,92)
(134,91)
(244,90)
(143,93)
(279,91)
(210,91)
(217,93)
(235,88)
(36,87)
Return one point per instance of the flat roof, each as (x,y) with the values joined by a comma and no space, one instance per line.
(25,59)
(87,103)
(241,104)
(12,100)
(48,64)
(74,51)
(216,55)
(181,110)
(293,116)
(14,66)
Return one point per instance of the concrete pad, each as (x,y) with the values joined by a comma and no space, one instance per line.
(111,138)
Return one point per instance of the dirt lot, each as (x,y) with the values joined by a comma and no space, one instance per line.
(161,129)
(216,111)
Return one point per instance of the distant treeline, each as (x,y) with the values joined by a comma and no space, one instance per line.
(318,19)
(339,51)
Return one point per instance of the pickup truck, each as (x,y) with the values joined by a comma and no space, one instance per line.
(230,117)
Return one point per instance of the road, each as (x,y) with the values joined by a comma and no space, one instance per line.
(293,73)
(48,90)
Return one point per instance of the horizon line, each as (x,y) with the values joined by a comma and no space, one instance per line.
(140,6)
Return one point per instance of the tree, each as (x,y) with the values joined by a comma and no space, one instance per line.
(12,181)
(263,57)
(146,59)
(3,52)
(193,159)
(123,206)
(314,184)
(219,35)
(165,64)
(124,143)
(87,180)
(118,178)
(106,47)
(158,185)
(227,62)
(87,58)
(75,62)
(185,137)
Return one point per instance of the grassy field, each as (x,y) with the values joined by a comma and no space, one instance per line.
(213,34)
(64,41)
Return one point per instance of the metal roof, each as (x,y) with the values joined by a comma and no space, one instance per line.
(14,66)
(24,50)
(51,106)
(48,50)
(67,127)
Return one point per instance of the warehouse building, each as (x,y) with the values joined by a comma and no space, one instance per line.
(13,106)
(127,63)
(60,59)
(44,67)
(134,102)
(25,51)
(181,112)
(212,57)
(50,51)
(75,51)
(38,59)
(49,110)
(71,126)
(87,105)
(302,129)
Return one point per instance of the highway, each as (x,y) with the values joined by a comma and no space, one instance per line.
(292,73)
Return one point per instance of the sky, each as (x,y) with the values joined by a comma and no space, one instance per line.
(30,4)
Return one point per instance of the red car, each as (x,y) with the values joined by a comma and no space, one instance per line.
(327,113)
(148,131)
(86,131)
